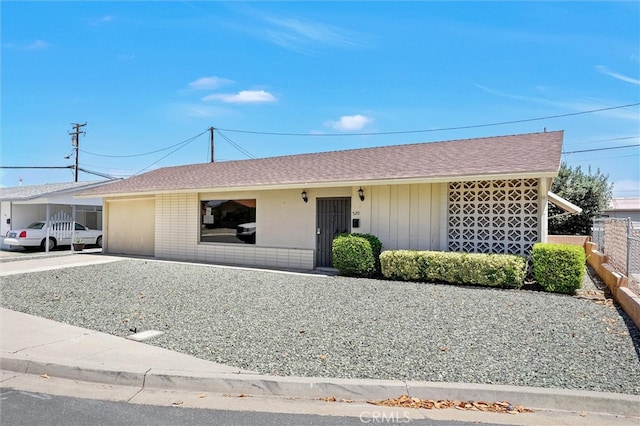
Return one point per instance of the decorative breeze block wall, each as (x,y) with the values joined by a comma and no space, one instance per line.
(499,216)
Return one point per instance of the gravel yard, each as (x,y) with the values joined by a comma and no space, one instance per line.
(313,325)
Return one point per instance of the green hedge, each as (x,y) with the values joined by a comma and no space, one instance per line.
(559,267)
(457,268)
(353,255)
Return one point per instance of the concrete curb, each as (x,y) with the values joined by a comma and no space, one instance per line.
(311,387)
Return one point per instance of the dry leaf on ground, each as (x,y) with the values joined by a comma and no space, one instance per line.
(405,401)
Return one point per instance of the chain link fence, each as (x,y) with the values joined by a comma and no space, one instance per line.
(619,240)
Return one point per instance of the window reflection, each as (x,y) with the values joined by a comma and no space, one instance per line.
(228,221)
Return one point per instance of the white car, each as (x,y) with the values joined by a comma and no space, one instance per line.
(246,232)
(60,234)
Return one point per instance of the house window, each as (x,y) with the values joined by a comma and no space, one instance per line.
(228,221)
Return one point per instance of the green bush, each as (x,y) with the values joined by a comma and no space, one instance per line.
(456,268)
(353,255)
(559,267)
(376,247)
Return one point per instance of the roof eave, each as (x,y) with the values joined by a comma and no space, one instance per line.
(334,184)
(565,205)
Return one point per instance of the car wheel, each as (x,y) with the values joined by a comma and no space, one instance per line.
(99,241)
(52,243)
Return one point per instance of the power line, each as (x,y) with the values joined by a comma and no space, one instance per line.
(182,145)
(150,152)
(601,158)
(600,149)
(248,154)
(235,145)
(36,167)
(474,126)
(97,174)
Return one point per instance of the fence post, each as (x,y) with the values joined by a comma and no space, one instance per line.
(629,248)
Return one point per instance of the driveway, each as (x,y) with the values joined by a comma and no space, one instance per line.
(312,325)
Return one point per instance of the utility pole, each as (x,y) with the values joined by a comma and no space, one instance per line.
(75,142)
(211,129)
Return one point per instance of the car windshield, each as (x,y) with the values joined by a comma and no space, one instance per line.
(36,225)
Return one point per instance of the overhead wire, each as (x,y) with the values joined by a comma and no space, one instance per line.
(36,167)
(235,145)
(473,126)
(604,140)
(248,154)
(182,145)
(146,153)
(98,174)
(186,142)
(600,149)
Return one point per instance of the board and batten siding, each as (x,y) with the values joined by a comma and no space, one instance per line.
(409,216)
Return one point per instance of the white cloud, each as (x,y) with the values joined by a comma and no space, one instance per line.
(37,45)
(604,70)
(209,83)
(350,122)
(291,33)
(103,20)
(242,97)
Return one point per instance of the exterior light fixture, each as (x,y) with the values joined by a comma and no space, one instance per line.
(304,196)
(361,194)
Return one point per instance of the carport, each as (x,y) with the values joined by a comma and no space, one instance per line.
(22,205)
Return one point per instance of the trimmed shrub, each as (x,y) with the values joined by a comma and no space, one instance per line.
(559,267)
(353,255)
(456,268)
(400,265)
(376,247)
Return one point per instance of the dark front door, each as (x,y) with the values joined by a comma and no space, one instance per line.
(333,218)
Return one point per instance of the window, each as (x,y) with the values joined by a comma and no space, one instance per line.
(228,221)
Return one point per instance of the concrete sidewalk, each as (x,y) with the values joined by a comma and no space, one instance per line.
(35,346)
(42,262)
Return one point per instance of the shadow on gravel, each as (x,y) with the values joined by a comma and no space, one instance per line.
(634,333)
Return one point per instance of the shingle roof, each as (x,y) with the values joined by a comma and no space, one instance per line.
(533,154)
(29,192)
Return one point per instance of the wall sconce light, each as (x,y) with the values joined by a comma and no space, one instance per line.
(361,194)
(304,196)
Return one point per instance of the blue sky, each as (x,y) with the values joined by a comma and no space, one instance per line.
(146,76)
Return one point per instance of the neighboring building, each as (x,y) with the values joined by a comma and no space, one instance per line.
(484,195)
(22,205)
(623,208)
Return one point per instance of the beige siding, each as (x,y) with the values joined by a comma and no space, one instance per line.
(404,216)
(130,226)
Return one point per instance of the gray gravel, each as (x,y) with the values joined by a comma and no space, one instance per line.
(305,325)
